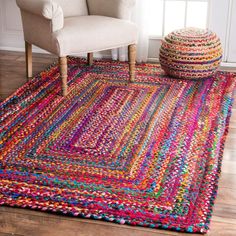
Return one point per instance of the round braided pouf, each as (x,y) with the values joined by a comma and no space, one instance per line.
(191,53)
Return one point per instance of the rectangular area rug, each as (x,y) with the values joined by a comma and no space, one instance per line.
(146,153)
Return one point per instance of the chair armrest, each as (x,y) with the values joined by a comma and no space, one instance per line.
(120,9)
(46,9)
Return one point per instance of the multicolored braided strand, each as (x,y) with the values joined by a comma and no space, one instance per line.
(146,153)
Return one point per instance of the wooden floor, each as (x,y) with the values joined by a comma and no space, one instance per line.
(31,223)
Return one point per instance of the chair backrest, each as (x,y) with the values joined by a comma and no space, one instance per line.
(73,7)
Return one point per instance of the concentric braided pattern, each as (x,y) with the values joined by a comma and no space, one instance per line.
(146,153)
(191,53)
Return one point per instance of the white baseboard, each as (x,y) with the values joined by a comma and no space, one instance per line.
(14,49)
(228,64)
(223,64)
(100,55)
(153,60)
(97,55)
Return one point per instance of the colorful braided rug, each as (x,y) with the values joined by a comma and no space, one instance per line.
(146,153)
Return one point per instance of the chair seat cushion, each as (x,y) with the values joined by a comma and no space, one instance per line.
(92,33)
(73,7)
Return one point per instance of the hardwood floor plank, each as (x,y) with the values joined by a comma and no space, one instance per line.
(230,143)
(225,213)
(222,229)
(233,119)
(227,181)
(229,154)
(226,196)
(41,224)
(12,70)
(6,234)
(229,167)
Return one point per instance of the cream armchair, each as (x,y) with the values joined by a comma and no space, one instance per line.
(67,27)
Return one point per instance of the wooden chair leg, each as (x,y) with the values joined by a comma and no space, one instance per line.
(63,71)
(90,59)
(28,60)
(132,61)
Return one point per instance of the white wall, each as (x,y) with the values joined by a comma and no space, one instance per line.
(231,57)
(11,35)
(222,20)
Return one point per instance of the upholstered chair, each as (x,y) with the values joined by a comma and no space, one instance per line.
(71,27)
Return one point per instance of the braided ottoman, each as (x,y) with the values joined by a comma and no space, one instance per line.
(190,53)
